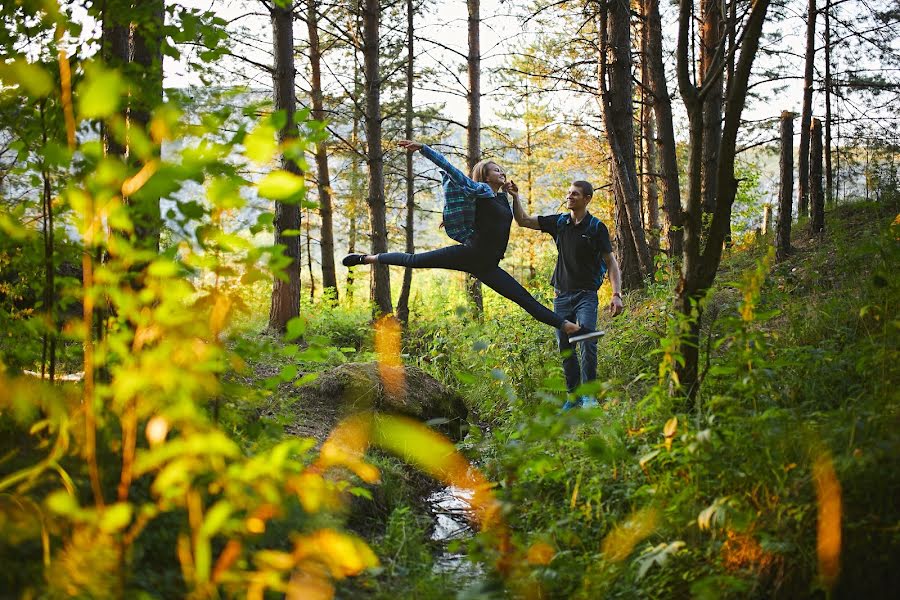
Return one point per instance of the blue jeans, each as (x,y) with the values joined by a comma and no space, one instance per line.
(578,306)
(470,260)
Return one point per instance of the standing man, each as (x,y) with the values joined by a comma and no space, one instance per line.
(585,256)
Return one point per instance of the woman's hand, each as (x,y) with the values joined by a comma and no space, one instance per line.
(410,145)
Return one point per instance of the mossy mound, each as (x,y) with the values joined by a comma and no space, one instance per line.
(357,387)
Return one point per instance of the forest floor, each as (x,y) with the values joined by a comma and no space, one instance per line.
(812,368)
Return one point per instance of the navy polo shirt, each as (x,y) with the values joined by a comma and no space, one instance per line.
(579,265)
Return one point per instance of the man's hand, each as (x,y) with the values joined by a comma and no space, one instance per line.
(511,188)
(410,145)
(615,305)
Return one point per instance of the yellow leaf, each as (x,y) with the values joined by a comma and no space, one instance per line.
(619,543)
(343,554)
(828,543)
(540,553)
(280,561)
(261,144)
(671,426)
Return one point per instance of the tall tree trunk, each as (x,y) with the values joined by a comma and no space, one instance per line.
(816,199)
(626,255)
(651,191)
(618,113)
(355,166)
(285,304)
(699,269)
(662,107)
(403,301)
(116,52)
(381,280)
(48,351)
(648,139)
(529,180)
(806,114)
(786,189)
(473,130)
(711,38)
(326,244)
(309,258)
(148,37)
(829,182)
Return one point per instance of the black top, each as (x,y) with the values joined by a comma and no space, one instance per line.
(493,218)
(579,265)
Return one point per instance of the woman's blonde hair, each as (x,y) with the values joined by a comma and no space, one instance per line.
(479,171)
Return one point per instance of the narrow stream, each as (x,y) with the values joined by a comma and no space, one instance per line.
(450,509)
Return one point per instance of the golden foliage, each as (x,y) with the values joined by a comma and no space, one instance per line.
(828,544)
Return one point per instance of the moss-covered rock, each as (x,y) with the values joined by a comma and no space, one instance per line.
(356,387)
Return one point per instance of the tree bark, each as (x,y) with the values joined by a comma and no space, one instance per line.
(699,269)
(326,244)
(473,129)
(403,301)
(786,189)
(662,107)
(116,52)
(285,303)
(711,38)
(806,114)
(381,280)
(355,164)
(816,199)
(648,139)
(148,36)
(618,113)
(829,182)
(48,351)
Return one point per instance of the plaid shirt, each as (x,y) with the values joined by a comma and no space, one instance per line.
(460,194)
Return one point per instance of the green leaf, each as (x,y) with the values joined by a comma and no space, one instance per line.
(288,372)
(115,517)
(281,185)
(215,518)
(202,558)
(63,503)
(296,327)
(100,94)
(308,378)
(162,268)
(32,78)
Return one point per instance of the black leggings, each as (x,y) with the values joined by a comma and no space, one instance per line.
(466,258)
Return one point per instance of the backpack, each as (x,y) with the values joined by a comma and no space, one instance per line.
(593,235)
(460,194)
(459,211)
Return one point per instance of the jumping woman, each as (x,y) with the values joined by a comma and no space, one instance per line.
(481,252)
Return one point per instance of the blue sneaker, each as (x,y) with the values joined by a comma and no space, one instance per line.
(570,404)
(588,402)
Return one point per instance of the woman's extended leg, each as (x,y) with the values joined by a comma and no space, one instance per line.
(503,283)
(456,258)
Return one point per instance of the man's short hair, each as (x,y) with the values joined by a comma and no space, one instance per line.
(586,188)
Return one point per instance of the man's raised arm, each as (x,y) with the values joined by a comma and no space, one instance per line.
(523,219)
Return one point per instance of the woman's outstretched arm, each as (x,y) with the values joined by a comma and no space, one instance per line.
(470,187)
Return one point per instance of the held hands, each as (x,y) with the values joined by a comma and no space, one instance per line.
(511,188)
(410,145)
